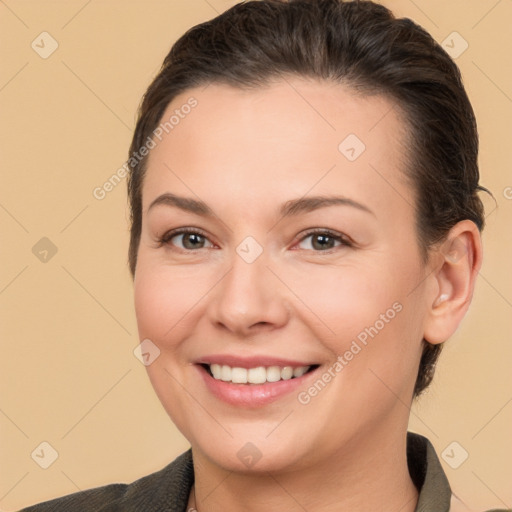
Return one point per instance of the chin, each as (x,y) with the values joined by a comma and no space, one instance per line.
(242,455)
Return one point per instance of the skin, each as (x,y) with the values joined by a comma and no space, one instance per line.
(245,153)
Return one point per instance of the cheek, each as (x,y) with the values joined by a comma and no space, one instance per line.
(164,299)
(347,299)
(170,305)
(161,307)
(365,314)
(150,300)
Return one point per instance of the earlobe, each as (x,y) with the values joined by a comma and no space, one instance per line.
(459,259)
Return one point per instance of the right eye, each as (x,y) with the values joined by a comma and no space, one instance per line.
(191,239)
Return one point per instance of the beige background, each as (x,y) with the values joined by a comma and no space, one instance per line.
(68,373)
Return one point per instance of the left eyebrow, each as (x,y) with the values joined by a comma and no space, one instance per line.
(308,204)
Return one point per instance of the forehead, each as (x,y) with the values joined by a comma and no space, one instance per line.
(277,142)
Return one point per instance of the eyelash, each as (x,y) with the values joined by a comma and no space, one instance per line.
(344,240)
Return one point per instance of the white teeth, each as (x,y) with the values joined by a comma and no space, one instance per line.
(299,372)
(225,373)
(287,373)
(258,375)
(216,370)
(239,375)
(273,374)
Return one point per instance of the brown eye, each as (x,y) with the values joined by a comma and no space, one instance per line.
(323,240)
(189,239)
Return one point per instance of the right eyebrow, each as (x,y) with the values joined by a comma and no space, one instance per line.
(184,203)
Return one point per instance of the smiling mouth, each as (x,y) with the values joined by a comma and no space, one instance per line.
(256,375)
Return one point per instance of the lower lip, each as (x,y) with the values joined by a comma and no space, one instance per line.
(252,395)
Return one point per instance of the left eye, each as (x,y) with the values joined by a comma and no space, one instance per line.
(324,240)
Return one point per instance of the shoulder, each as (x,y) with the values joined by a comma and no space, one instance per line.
(167,489)
(429,477)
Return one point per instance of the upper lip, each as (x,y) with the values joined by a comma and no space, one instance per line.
(250,362)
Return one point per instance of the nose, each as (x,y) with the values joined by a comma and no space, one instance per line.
(249,298)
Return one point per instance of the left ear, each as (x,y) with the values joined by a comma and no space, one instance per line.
(458,262)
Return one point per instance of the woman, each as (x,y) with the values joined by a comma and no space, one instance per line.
(305,235)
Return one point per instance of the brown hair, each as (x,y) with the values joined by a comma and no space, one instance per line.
(360,44)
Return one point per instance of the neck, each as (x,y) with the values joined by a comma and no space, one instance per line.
(369,475)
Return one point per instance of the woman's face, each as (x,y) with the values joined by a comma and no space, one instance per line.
(250,287)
